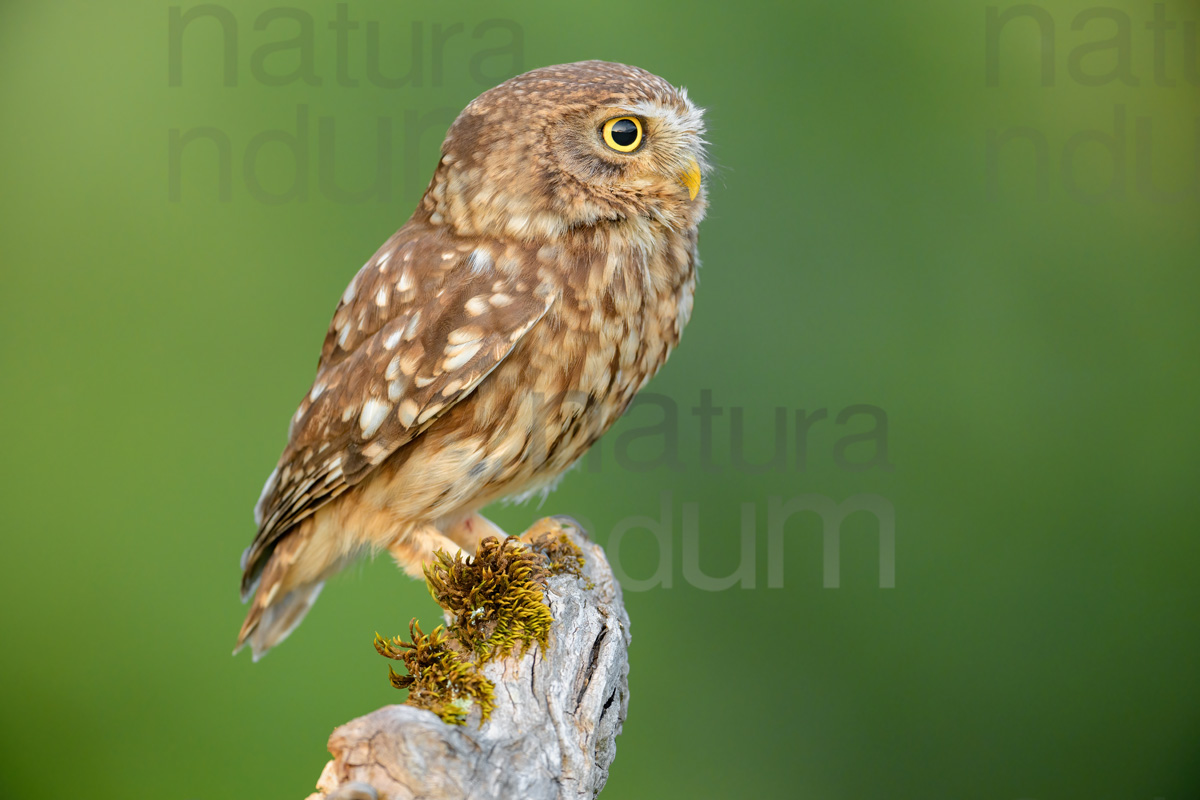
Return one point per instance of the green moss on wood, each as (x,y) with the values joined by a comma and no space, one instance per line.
(496,596)
(439,678)
(497,602)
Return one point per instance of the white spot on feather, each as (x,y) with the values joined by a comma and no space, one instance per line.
(477,305)
(517,224)
(348,295)
(407,412)
(480,261)
(463,335)
(262,498)
(410,330)
(374,412)
(429,412)
(457,355)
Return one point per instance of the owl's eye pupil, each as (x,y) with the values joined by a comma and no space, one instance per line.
(624,132)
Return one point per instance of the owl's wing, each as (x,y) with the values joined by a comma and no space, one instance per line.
(419,327)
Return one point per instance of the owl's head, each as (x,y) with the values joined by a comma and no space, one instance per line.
(564,147)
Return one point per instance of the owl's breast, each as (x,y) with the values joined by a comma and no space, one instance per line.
(620,313)
(616,316)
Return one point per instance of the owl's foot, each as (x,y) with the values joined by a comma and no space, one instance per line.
(466,534)
(552,526)
(552,537)
(415,549)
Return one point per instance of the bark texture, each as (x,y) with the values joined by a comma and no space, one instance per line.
(551,735)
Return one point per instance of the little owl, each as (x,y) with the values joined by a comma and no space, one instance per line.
(542,281)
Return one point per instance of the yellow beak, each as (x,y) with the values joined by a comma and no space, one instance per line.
(691,178)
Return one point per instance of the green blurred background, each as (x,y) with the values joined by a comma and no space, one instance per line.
(1035,350)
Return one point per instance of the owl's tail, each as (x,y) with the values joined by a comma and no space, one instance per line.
(268,624)
(283,596)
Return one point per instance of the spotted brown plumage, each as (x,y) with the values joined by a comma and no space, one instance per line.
(543,279)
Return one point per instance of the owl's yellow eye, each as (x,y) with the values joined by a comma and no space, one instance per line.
(623,134)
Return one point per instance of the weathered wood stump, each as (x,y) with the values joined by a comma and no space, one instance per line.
(551,734)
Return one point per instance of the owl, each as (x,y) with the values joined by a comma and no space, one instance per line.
(544,278)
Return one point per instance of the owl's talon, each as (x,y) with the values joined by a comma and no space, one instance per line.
(573,526)
(544,526)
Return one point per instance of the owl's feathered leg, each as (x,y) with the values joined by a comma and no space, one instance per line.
(415,548)
(472,529)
